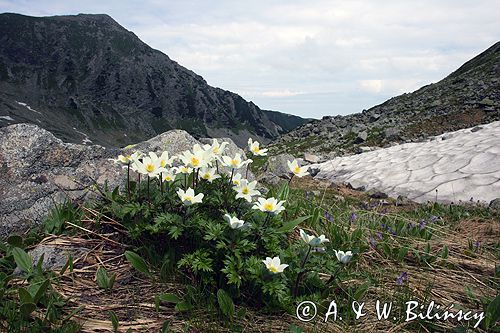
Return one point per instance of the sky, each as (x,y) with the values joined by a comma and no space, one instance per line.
(310,58)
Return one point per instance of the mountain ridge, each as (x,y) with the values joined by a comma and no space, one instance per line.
(92,80)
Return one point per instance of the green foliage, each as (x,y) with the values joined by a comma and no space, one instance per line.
(28,302)
(104,280)
(200,243)
(54,223)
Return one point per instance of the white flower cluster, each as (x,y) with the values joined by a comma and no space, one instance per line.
(203,161)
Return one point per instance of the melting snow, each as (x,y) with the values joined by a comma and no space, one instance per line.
(8,118)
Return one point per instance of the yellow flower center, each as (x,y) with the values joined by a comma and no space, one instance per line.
(234,162)
(297,169)
(188,198)
(150,167)
(268,207)
(245,190)
(206,176)
(216,150)
(195,161)
(163,163)
(255,149)
(273,269)
(236,182)
(168,178)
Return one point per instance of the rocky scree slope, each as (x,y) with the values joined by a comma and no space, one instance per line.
(467,97)
(87,79)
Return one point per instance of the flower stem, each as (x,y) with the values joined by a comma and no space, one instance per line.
(161,183)
(301,273)
(149,196)
(128,181)
(291,179)
(231,179)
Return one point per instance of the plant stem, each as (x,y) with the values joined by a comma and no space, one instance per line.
(301,273)
(231,179)
(149,197)
(291,179)
(161,183)
(128,181)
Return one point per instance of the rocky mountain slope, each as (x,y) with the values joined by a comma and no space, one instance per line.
(87,79)
(467,97)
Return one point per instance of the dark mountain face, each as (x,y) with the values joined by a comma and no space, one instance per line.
(468,97)
(85,77)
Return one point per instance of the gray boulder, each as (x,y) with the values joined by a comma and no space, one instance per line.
(495,204)
(276,170)
(38,169)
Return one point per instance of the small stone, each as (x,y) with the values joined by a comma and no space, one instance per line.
(313,171)
(311,158)
(495,204)
(475,129)
(375,194)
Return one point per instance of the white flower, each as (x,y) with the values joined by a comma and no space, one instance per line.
(169,175)
(270,205)
(246,190)
(216,148)
(196,159)
(208,174)
(236,162)
(254,147)
(126,159)
(313,240)
(343,257)
(163,159)
(237,179)
(148,166)
(184,169)
(274,265)
(296,169)
(234,222)
(188,198)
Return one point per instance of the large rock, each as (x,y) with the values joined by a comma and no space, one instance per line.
(38,169)
(276,170)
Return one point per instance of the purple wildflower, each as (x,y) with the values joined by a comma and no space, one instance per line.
(434,218)
(328,217)
(379,235)
(372,242)
(402,278)
(354,217)
(422,224)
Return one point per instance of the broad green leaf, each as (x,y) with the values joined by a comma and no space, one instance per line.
(102,278)
(225,303)
(40,291)
(23,260)
(25,296)
(288,226)
(183,306)
(170,298)
(137,262)
(27,308)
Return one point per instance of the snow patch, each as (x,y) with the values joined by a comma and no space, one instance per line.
(8,118)
(28,107)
